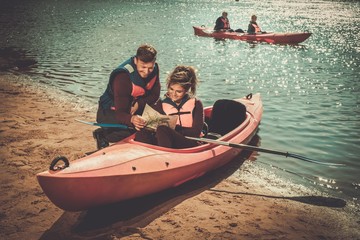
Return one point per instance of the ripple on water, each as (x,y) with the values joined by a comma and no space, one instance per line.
(310,91)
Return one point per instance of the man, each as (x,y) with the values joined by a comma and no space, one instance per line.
(253,26)
(222,23)
(131,85)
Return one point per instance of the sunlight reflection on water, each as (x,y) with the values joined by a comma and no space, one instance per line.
(310,91)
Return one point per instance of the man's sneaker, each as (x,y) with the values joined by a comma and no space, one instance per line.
(100,140)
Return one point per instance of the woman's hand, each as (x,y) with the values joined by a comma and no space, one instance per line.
(138,122)
(134,108)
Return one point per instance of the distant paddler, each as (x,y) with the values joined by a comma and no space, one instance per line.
(222,23)
(253,27)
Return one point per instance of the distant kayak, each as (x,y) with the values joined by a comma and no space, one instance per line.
(274,38)
(130,169)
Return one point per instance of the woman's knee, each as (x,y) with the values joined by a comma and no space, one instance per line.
(145,137)
(163,129)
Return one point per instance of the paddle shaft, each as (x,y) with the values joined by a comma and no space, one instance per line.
(234,145)
(258,149)
(105,125)
(239,145)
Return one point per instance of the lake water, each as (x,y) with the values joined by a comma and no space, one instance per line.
(310,91)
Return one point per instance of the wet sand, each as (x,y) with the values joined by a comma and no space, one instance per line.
(37,126)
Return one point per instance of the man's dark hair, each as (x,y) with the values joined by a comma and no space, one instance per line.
(146,53)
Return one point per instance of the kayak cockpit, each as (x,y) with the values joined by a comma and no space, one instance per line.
(203,146)
(224,120)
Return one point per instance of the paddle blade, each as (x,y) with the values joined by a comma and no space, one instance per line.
(258,149)
(306,159)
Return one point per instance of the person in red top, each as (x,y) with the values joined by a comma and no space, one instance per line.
(222,23)
(131,85)
(179,100)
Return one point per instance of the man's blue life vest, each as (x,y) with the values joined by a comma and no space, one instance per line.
(140,86)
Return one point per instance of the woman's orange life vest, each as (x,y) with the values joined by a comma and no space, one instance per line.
(257,28)
(226,23)
(184,111)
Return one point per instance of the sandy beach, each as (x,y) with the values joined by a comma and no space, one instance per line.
(37,126)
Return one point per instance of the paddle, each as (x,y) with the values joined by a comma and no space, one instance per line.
(235,145)
(258,149)
(114,125)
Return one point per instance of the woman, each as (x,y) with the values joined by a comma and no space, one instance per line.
(180,101)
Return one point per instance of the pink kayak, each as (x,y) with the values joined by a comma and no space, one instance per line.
(130,169)
(275,38)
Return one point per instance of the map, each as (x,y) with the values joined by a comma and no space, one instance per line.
(155,119)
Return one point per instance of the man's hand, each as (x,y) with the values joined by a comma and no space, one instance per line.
(138,122)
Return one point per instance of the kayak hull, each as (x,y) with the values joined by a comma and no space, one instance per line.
(273,38)
(130,169)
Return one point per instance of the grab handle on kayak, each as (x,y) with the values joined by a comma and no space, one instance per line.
(55,167)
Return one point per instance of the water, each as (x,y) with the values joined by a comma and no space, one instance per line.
(310,91)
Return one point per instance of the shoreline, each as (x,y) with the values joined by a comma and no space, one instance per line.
(37,126)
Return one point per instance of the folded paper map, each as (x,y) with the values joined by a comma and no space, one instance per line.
(155,119)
